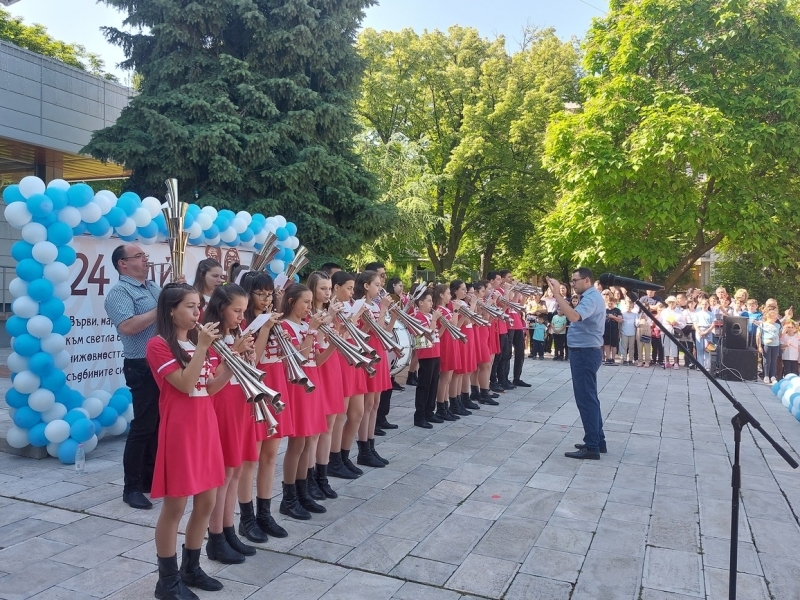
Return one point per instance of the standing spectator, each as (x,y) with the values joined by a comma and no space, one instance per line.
(739,302)
(645,340)
(531,306)
(672,318)
(704,328)
(790,344)
(754,317)
(656,338)
(628,332)
(611,332)
(559,326)
(551,305)
(768,344)
(539,332)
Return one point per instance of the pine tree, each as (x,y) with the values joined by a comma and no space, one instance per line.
(249,104)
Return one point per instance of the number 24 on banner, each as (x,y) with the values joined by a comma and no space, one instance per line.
(97,276)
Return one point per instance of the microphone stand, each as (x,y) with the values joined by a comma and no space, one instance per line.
(742,418)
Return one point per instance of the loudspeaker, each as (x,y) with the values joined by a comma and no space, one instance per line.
(735,332)
(739,365)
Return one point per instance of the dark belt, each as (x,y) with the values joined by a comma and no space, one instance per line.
(574,349)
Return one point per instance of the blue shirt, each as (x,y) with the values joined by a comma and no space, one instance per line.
(588,332)
(539,330)
(127,299)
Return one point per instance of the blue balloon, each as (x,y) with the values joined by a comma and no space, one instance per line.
(297,278)
(188,219)
(291,228)
(125,392)
(73,416)
(26,417)
(59,233)
(21,250)
(287,254)
(15,399)
(27,345)
(41,363)
(149,231)
(75,400)
(46,220)
(52,309)
(119,404)
(193,209)
(79,229)
(16,326)
(128,238)
(28,269)
(129,202)
(79,195)
(161,223)
(116,216)
(39,205)
(222,223)
(67,450)
(63,395)
(246,235)
(59,198)
(100,227)
(282,234)
(97,425)
(256,226)
(198,241)
(40,290)
(82,430)
(66,255)
(62,325)
(228,214)
(36,435)
(211,232)
(12,194)
(54,380)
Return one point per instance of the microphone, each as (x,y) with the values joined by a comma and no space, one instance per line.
(608,279)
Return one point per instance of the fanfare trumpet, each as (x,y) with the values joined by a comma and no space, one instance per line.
(511,305)
(526,290)
(351,354)
(491,310)
(414,327)
(174,212)
(294,370)
(384,337)
(454,331)
(251,381)
(299,261)
(472,316)
(268,251)
(359,338)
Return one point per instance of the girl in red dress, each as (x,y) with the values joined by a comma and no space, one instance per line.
(308,414)
(208,277)
(354,384)
(257,526)
(450,352)
(458,290)
(189,460)
(368,286)
(480,379)
(236,431)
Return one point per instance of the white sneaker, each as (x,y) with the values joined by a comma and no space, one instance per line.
(774,380)
(766,380)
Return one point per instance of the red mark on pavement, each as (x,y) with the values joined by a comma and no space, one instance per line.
(495,496)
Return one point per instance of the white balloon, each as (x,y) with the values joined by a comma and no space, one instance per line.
(54,343)
(11,412)
(45,252)
(276,266)
(104,203)
(34,233)
(204,220)
(245,216)
(40,326)
(148,241)
(239,225)
(127,228)
(271,222)
(195,230)
(108,194)
(59,184)
(19,287)
(31,185)
(54,414)
(90,444)
(42,400)
(62,291)
(213,241)
(17,214)
(118,428)
(128,414)
(152,205)
(102,433)
(17,363)
(101,395)
(142,217)
(52,448)
(107,235)
(211,211)
(56,431)
(16,437)
(83,411)
(94,406)
(25,306)
(56,272)
(62,360)
(90,213)
(228,235)
(70,215)
(26,382)
(293,243)
(261,236)
(280,220)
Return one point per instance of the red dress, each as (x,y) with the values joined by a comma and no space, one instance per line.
(272,365)
(382,380)
(469,361)
(189,456)
(482,334)
(448,347)
(308,415)
(330,382)
(494,337)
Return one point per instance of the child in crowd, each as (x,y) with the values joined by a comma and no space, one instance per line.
(656,338)
(768,344)
(645,340)
(790,344)
(559,327)
(538,336)
(611,334)
(628,332)
(754,317)
(704,332)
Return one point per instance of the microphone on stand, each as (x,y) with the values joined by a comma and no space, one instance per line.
(609,279)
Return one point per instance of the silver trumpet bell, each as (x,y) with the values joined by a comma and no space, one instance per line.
(384,337)
(511,305)
(294,370)
(472,316)
(453,331)
(492,311)
(351,354)
(414,326)
(360,338)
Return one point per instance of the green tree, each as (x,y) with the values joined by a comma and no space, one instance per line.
(249,104)
(36,39)
(689,136)
(734,270)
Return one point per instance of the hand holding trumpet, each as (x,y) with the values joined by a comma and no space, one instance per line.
(207,334)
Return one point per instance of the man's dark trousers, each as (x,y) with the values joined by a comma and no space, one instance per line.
(584,364)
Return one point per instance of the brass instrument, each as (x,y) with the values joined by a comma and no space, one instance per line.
(268,251)
(359,338)
(294,370)
(384,337)
(351,354)
(465,311)
(299,261)
(526,290)
(454,331)
(174,212)
(501,300)
(491,310)
(412,298)
(415,327)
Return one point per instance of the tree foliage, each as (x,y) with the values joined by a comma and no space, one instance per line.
(36,39)
(249,104)
(689,136)
(733,270)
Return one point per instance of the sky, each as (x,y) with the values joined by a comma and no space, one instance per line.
(79,21)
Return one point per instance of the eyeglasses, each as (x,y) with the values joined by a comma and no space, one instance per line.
(262,295)
(577,280)
(139,256)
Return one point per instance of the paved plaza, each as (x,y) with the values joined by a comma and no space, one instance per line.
(487,507)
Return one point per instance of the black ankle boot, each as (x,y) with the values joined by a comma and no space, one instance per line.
(218,549)
(366,458)
(170,586)
(237,544)
(193,576)
(475,392)
(433,418)
(375,453)
(321,475)
(349,463)
(290,505)
(412,378)
(266,522)
(336,468)
(442,412)
(448,406)
(248,526)
(313,488)
(307,501)
(459,406)
(467,402)
(486,398)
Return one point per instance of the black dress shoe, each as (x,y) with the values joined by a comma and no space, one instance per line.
(433,418)
(520,383)
(379,431)
(422,423)
(508,386)
(603,447)
(583,453)
(496,387)
(384,424)
(397,387)
(136,499)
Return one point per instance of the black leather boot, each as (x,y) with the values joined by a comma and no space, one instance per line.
(486,398)
(412,378)
(170,586)
(432,417)
(321,475)
(442,413)
(193,576)
(458,408)
(248,527)
(375,453)
(266,522)
(336,468)
(349,463)
(467,401)
(366,458)
(218,549)
(307,501)
(448,406)
(237,544)
(313,488)
(290,505)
